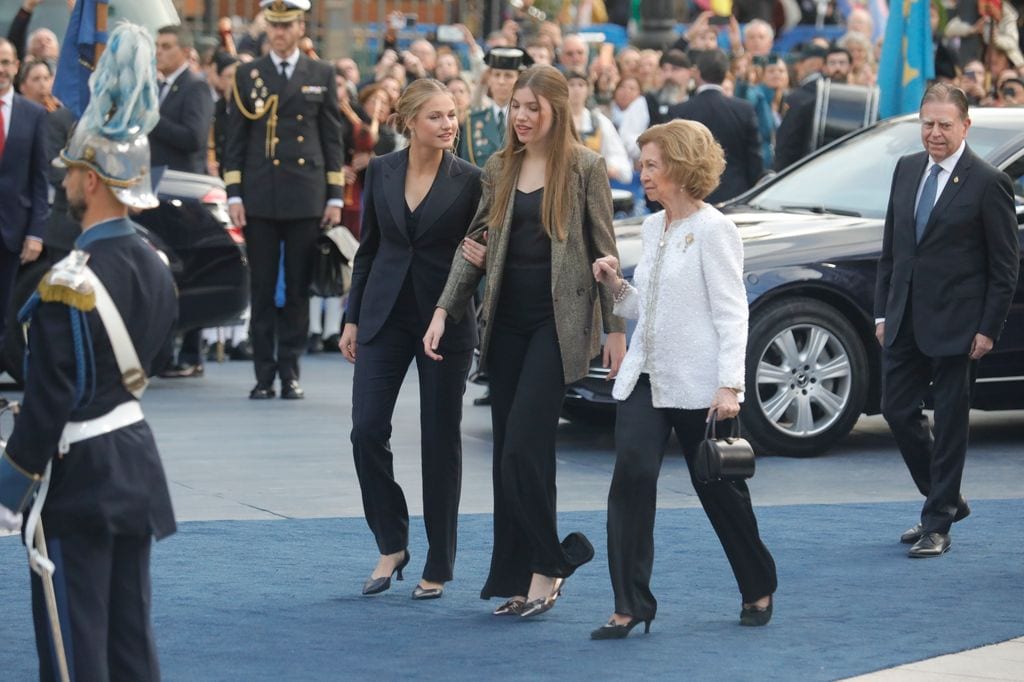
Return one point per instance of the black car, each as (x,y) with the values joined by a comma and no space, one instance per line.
(812,236)
(191,230)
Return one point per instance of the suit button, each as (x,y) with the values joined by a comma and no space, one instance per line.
(299,117)
(579,292)
(300,138)
(277,162)
(302,162)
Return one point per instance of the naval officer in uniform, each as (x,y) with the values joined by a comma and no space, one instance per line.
(485,128)
(82,461)
(282,168)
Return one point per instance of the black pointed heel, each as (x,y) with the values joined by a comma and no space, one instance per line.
(613,630)
(756,617)
(378,585)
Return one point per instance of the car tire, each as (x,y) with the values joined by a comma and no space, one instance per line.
(806,377)
(14,341)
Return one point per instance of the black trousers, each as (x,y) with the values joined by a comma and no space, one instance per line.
(9,264)
(381,366)
(641,437)
(935,459)
(527,389)
(279,336)
(103,602)
(191,345)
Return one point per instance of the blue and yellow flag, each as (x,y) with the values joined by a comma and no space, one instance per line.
(908,58)
(78,55)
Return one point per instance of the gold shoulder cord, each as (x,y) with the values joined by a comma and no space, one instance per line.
(271,108)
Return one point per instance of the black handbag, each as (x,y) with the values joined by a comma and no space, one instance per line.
(332,263)
(723,459)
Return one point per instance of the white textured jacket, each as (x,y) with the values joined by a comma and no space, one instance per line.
(691,310)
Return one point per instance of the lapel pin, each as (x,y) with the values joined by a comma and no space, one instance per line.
(254,73)
(956,179)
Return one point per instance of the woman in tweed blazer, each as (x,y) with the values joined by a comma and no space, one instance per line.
(546,213)
(684,367)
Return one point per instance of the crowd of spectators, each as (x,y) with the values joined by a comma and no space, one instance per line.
(616,93)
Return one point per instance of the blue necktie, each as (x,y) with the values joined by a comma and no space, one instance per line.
(927,201)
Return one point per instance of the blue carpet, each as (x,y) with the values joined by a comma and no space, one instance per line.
(279,600)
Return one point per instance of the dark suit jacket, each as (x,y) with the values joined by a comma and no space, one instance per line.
(284,167)
(733,123)
(387,254)
(960,279)
(24,203)
(793,138)
(181,138)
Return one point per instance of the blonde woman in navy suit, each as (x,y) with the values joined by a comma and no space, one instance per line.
(685,365)
(418,204)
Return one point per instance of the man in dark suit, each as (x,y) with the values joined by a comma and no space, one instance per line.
(282,168)
(946,278)
(24,204)
(181,138)
(732,122)
(793,138)
(180,142)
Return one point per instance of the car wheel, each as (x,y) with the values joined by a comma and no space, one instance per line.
(14,339)
(807,378)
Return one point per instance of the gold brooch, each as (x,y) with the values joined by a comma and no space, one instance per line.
(689,239)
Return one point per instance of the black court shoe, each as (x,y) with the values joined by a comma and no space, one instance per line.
(613,630)
(756,616)
(378,585)
(422,593)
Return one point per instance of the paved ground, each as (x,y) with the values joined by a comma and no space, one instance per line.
(231,458)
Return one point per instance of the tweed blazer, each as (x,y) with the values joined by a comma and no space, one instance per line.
(581,307)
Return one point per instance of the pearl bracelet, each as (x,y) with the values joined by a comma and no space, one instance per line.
(621,293)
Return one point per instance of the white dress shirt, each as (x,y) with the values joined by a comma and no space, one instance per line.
(947,165)
(169,81)
(6,104)
(690,305)
(291,60)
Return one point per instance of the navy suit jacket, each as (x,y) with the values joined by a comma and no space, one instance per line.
(960,278)
(388,253)
(181,139)
(733,123)
(24,201)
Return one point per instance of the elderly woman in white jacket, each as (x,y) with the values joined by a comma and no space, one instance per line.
(685,362)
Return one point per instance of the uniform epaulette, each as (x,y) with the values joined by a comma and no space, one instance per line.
(66,283)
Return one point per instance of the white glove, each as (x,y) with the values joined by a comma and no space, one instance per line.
(9,521)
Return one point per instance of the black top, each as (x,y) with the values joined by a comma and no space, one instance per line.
(529,246)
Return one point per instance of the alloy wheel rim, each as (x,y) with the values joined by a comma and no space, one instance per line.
(804,380)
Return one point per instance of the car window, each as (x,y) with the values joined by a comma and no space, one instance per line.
(855,177)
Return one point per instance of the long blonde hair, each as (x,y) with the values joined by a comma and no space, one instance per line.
(549,83)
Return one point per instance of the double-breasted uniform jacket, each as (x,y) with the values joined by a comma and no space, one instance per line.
(388,253)
(960,278)
(111,484)
(581,307)
(284,150)
(481,136)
